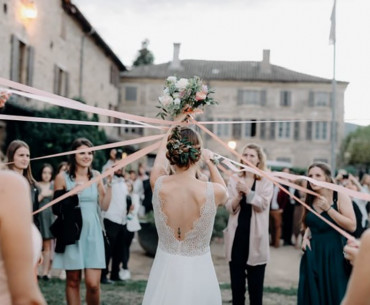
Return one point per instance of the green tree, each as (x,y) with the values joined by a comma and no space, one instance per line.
(49,138)
(145,56)
(355,148)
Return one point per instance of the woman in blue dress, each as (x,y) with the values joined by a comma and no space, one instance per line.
(88,252)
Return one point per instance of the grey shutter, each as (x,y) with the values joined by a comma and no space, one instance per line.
(263,130)
(30,65)
(237,130)
(240,97)
(311,99)
(289,98)
(56,79)
(296,131)
(66,84)
(263,98)
(282,98)
(272,130)
(309,131)
(14,59)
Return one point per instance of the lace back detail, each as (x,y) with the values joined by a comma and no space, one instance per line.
(197,240)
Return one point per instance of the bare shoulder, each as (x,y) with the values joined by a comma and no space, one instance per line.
(344,199)
(220,193)
(59,182)
(10,180)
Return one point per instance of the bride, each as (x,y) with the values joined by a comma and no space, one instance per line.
(184,209)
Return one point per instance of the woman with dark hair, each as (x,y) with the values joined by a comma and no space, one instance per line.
(88,252)
(18,155)
(46,217)
(323,276)
(247,235)
(184,209)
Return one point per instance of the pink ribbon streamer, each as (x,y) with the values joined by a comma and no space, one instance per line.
(273,180)
(131,158)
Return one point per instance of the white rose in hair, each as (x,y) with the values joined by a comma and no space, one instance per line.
(182,83)
(165,100)
(177,101)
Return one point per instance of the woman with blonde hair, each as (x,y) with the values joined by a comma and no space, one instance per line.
(247,235)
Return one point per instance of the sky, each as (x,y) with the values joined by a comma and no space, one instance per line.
(295,31)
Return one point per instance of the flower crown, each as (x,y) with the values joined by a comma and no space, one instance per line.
(181,149)
(183,96)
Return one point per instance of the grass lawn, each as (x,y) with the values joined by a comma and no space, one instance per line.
(132,292)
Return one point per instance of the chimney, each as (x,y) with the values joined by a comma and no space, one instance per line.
(265,64)
(176,63)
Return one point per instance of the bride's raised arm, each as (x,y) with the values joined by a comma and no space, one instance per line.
(161,164)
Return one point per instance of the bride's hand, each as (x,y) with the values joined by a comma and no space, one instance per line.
(207,155)
(4,96)
(181,117)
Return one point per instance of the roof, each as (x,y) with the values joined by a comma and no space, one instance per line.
(225,71)
(74,12)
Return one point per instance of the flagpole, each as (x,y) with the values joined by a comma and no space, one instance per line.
(334,96)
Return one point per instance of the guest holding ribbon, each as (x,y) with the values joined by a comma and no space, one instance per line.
(87,253)
(323,275)
(247,235)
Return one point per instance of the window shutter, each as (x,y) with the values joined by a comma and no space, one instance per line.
(311,99)
(14,59)
(289,98)
(263,98)
(30,65)
(296,131)
(56,79)
(282,98)
(237,130)
(66,84)
(240,97)
(309,131)
(263,130)
(272,130)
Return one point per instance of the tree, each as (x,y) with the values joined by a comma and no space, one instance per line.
(355,149)
(145,56)
(49,138)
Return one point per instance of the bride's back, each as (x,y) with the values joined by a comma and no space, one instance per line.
(184,213)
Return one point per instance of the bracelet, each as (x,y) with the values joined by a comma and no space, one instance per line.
(109,184)
(328,209)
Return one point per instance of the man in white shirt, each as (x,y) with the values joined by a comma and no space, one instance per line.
(115,222)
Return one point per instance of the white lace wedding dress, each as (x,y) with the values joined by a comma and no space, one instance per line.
(183,271)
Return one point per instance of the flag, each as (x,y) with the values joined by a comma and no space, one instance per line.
(332,36)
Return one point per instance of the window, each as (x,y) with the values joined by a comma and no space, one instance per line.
(61,79)
(114,75)
(222,130)
(249,97)
(323,160)
(285,98)
(131,94)
(250,129)
(284,159)
(319,99)
(21,62)
(284,130)
(128,130)
(322,99)
(321,130)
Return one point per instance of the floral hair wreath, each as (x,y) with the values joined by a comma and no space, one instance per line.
(184,96)
(185,149)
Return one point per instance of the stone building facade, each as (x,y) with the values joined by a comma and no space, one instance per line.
(50,45)
(288,113)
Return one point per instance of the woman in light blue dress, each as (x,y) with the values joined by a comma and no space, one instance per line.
(88,252)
